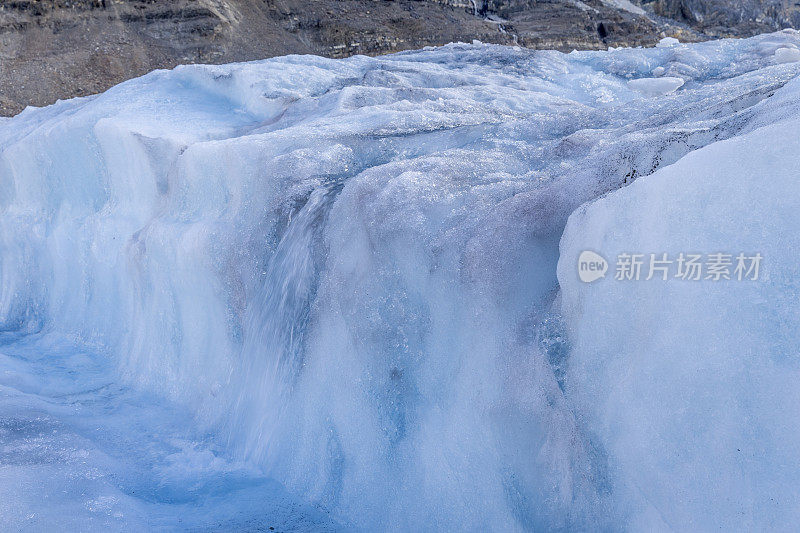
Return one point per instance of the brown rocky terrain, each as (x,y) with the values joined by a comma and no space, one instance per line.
(51,49)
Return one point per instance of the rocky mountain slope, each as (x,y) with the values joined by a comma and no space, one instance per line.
(723,18)
(51,49)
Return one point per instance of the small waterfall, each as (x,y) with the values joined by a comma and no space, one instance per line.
(276,324)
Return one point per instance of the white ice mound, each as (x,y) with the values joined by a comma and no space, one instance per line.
(668,42)
(346,268)
(656,86)
(690,385)
(787,55)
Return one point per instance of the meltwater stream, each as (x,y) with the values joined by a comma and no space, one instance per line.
(276,322)
(310,294)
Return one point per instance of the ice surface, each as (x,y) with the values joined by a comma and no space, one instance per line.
(80,452)
(325,291)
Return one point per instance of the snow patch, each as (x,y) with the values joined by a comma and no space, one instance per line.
(625,5)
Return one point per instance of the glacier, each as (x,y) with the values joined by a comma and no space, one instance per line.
(319,295)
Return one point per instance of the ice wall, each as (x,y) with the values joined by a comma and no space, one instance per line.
(691,386)
(347,269)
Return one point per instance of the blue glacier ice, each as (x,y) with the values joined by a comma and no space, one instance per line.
(319,295)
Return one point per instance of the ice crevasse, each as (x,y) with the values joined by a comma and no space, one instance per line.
(357,278)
